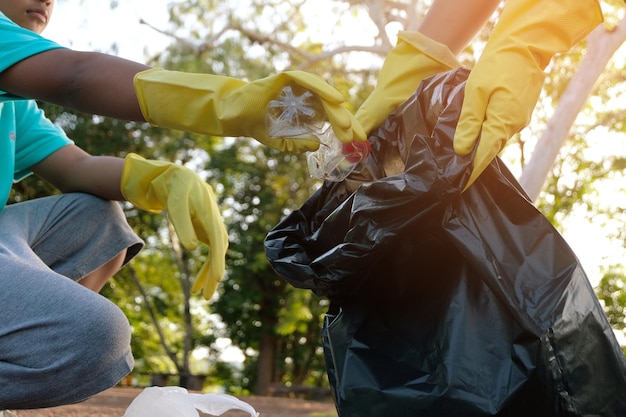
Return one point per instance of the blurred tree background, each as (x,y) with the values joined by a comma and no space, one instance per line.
(274,329)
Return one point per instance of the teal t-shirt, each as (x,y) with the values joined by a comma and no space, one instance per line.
(26,138)
(26,135)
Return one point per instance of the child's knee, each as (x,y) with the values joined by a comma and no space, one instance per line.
(105,336)
(83,352)
(102,354)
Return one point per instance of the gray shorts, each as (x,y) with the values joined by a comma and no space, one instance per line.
(60,342)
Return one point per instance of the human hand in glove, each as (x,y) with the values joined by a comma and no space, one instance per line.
(191,207)
(224,106)
(504,86)
(414,58)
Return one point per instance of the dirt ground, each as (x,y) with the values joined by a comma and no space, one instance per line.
(113,403)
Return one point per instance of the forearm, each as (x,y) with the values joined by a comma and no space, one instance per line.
(455,22)
(85,81)
(99,175)
(70,169)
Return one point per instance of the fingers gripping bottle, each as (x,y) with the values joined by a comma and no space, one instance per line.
(299,113)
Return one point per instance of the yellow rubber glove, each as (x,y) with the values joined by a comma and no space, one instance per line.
(191,207)
(225,106)
(414,58)
(504,86)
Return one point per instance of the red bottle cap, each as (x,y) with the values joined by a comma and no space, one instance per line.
(355,151)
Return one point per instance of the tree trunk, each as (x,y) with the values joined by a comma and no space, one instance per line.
(265,371)
(601,45)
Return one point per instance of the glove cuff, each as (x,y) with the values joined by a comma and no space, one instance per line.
(543,28)
(436,51)
(138,82)
(137,174)
(414,58)
(187,101)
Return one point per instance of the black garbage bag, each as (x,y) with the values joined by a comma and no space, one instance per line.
(446,303)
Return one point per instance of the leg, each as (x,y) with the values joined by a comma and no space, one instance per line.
(60,342)
(81,235)
(96,280)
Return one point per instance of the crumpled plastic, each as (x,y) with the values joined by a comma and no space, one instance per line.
(446,303)
(178,402)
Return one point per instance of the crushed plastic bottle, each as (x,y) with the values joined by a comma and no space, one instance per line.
(298,113)
(178,402)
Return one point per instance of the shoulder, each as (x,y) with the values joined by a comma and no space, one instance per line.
(17,43)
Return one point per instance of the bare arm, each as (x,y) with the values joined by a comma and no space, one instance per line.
(71,169)
(455,22)
(90,82)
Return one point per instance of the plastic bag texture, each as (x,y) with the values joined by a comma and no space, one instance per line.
(446,303)
(178,402)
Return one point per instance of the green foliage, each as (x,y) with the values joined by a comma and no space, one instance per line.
(254,302)
(612,293)
(571,182)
